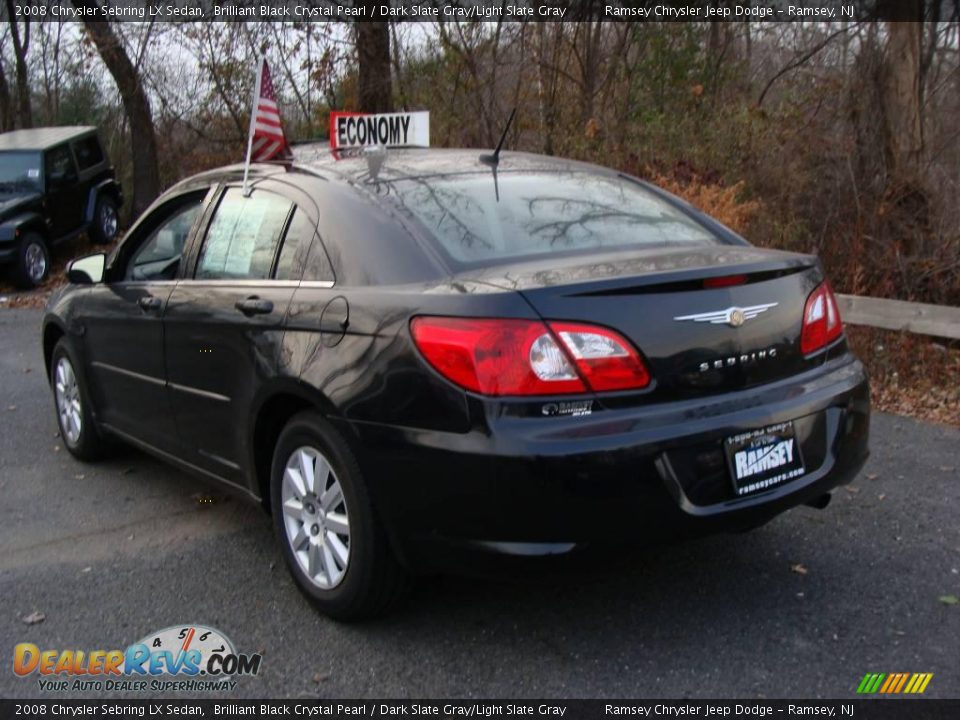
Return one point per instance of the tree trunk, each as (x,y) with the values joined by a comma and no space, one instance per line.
(20,46)
(902,99)
(6,104)
(373,51)
(136,105)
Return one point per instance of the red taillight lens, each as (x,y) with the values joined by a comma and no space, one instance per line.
(528,357)
(821,320)
(724,281)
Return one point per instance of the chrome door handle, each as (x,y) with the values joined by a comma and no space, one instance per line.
(150,303)
(254,306)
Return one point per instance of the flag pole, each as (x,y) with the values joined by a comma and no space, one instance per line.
(253,122)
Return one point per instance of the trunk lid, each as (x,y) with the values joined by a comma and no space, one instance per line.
(697,340)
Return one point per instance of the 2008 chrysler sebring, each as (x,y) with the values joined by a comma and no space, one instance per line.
(431,358)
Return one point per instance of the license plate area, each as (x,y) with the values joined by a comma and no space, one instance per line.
(763,459)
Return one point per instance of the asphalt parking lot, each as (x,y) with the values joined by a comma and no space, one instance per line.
(803,607)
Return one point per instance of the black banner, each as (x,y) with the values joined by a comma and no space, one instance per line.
(485,10)
(886,709)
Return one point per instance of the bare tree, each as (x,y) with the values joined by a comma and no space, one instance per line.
(21,45)
(373,55)
(136,105)
(6,103)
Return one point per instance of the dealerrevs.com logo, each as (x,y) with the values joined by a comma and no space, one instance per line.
(186,658)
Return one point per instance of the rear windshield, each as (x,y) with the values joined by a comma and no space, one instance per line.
(19,172)
(543,214)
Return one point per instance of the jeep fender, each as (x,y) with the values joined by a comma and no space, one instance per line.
(22,222)
(108,187)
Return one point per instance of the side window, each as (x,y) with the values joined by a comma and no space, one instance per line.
(317,265)
(243,236)
(296,243)
(59,168)
(88,152)
(158,257)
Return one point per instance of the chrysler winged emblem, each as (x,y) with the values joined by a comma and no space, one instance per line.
(732,316)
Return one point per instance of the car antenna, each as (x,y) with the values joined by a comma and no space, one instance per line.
(494,159)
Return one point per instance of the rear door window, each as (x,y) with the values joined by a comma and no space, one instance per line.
(88,152)
(243,236)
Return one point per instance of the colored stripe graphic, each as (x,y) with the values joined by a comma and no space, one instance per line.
(894,683)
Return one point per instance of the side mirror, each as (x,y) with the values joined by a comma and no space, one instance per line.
(87,270)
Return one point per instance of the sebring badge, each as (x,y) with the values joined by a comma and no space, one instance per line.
(732,316)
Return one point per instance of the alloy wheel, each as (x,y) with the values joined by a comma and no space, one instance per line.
(315,517)
(36,261)
(67,393)
(108,221)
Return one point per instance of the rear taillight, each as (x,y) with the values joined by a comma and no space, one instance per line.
(821,320)
(528,357)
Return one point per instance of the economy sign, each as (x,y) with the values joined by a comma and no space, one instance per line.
(354,130)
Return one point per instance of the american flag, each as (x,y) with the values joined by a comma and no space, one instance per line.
(266,134)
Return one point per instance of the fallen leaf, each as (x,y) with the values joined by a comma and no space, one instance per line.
(87,569)
(851,489)
(320,677)
(11,408)
(881,496)
(872,476)
(949,599)
(38,617)
(945,468)
(799,569)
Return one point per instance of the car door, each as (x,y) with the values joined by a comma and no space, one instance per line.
(122,322)
(224,325)
(64,196)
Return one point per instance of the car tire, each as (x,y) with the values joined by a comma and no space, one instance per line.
(71,399)
(33,261)
(346,576)
(106,221)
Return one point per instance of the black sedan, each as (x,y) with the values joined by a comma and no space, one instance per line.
(425,361)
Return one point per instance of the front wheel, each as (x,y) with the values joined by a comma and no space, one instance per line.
(33,261)
(74,413)
(331,538)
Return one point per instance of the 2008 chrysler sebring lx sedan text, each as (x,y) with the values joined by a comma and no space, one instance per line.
(427,359)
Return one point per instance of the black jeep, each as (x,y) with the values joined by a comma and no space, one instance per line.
(55,183)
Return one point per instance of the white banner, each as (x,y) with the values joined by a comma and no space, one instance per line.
(352,130)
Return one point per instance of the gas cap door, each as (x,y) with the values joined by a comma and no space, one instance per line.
(334,321)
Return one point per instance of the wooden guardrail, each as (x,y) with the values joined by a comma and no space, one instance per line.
(939,320)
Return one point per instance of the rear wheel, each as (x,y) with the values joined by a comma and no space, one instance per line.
(331,538)
(106,221)
(33,261)
(74,413)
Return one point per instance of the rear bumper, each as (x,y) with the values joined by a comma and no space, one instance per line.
(547,486)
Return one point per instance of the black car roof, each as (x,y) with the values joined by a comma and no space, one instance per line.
(42,138)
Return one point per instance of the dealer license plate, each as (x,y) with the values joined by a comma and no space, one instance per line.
(762,459)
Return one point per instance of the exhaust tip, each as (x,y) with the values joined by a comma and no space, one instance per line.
(820,502)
